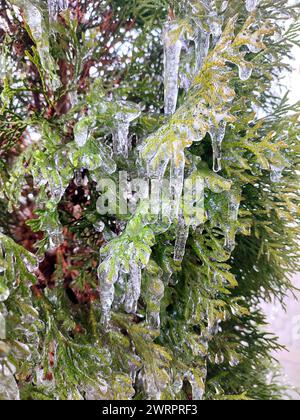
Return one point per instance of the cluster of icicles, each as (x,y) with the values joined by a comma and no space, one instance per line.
(130,280)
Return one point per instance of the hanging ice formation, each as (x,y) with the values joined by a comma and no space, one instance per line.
(234,200)
(173,43)
(217,134)
(126,112)
(123,259)
(181,240)
(38,28)
(251,5)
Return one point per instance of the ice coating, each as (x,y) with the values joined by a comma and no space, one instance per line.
(172,39)
(202,41)
(81,132)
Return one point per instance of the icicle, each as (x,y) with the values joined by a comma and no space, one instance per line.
(276,173)
(217,135)
(181,240)
(38,28)
(133,291)
(172,50)
(176,181)
(234,205)
(126,114)
(251,5)
(245,71)
(201,47)
(107,288)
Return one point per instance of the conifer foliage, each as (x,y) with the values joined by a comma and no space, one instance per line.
(167,91)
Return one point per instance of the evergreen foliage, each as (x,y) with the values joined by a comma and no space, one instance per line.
(172,310)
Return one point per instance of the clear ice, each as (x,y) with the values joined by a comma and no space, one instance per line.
(181,240)
(202,39)
(173,45)
(81,132)
(217,134)
(133,289)
(126,113)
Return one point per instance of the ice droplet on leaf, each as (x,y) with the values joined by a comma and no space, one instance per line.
(251,5)
(172,39)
